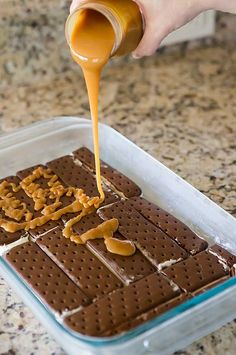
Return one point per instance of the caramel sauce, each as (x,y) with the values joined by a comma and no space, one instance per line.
(23,219)
(92,41)
(106,231)
(12,207)
(120,247)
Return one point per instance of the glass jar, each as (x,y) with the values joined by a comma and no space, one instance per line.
(125,17)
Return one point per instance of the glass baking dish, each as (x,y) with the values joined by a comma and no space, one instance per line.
(180,326)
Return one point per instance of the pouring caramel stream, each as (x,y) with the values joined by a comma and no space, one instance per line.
(92,41)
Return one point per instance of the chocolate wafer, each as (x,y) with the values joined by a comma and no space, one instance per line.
(127,269)
(223,254)
(45,228)
(121,305)
(20,195)
(50,283)
(79,264)
(43,183)
(211,285)
(6,237)
(72,174)
(161,250)
(197,272)
(120,182)
(174,228)
(151,314)
(22,174)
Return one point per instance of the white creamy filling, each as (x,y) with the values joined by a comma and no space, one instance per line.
(67,313)
(77,162)
(221,260)
(6,247)
(167,263)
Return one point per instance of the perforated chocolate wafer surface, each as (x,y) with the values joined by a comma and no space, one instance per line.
(88,222)
(79,264)
(147,316)
(7,238)
(48,281)
(177,230)
(121,182)
(74,175)
(128,269)
(160,249)
(121,305)
(45,228)
(197,271)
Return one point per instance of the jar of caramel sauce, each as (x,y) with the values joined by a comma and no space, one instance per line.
(124,16)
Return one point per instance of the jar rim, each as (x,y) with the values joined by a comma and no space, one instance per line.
(108,13)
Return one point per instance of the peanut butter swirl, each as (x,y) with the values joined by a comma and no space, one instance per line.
(23,219)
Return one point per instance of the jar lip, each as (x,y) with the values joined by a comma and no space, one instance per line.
(141,12)
(109,14)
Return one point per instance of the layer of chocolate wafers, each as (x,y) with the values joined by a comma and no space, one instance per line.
(174,228)
(128,269)
(79,264)
(157,246)
(123,304)
(119,181)
(41,274)
(206,269)
(224,255)
(149,315)
(99,293)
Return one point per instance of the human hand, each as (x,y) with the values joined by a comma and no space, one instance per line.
(163,17)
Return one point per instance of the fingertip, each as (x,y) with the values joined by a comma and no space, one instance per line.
(136,55)
(145,51)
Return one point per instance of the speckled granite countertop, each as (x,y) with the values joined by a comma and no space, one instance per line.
(180,107)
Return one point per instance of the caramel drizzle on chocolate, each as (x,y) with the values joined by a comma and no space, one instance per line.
(106,230)
(18,211)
